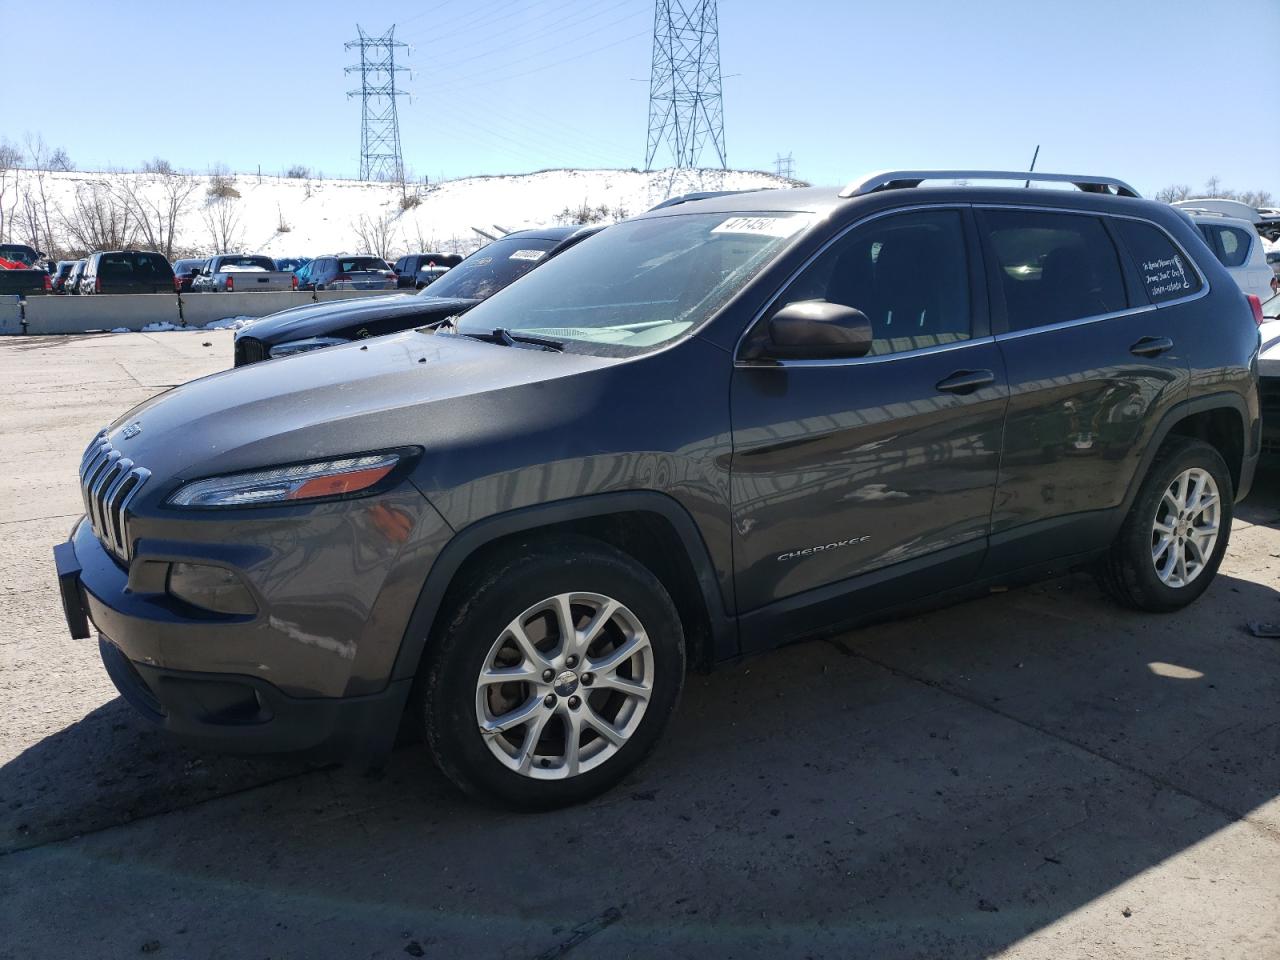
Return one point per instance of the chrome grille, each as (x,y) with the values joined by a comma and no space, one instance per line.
(108,481)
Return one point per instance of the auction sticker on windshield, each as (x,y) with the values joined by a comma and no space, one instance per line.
(762,226)
(528,255)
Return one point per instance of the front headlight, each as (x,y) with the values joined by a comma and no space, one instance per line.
(302,346)
(304,481)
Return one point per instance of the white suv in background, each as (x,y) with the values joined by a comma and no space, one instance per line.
(1236,243)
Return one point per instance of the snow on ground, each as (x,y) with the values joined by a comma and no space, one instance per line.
(228,323)
(286,217)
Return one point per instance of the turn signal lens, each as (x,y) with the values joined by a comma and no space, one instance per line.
(307,481)
(341,483)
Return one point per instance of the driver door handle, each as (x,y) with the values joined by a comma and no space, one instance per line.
(1151,346)
(966,381)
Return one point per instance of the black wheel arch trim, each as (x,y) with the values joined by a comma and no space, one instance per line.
(1179,412)
(724,635)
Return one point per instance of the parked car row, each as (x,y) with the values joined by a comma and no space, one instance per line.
(134,271)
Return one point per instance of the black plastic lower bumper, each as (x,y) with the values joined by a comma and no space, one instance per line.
(239,714)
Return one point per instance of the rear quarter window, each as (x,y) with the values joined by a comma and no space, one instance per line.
(1235,246)
(1164,271)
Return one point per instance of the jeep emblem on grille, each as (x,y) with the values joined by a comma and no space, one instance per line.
(132,430)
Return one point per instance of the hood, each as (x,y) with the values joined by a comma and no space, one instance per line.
(376,394)
(339,317)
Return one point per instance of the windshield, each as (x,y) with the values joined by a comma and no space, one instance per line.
(490,269)
(130,263)
(1271,308)
(237,264)
(361,264)
(638,284)
(18,255)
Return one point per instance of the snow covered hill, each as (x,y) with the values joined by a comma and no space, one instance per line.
(305,217)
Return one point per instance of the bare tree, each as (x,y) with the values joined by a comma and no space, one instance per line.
(10,158)
(222,220)
(99,219)
(38,217)
(59,162)
(1173,193)
(374,234)
(158,200)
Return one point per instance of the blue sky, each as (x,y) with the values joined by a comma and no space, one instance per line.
(1155,93)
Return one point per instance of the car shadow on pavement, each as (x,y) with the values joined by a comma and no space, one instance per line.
(940,786)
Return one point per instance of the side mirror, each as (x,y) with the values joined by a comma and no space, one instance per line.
(814,330)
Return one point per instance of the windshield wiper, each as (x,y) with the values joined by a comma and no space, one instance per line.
(508,339)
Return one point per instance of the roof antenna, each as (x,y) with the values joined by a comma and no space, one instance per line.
(1032,168)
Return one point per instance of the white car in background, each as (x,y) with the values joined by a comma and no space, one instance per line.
(1236,243)
(1269,375)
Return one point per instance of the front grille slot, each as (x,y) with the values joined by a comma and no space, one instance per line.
(249,350)
(108,482)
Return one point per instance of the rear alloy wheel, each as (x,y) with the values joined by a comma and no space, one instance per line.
(1185,529)
(551,672)
(1176,531)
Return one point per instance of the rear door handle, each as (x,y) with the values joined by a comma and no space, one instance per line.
(966,381)
(1151,346)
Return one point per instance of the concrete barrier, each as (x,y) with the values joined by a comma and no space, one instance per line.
(10,315)
(201,308)
(100,312)
(45,315)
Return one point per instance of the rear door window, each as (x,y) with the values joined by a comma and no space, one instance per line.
(1163,269)
(1052,267)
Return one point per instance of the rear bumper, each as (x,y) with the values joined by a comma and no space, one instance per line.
(240,714)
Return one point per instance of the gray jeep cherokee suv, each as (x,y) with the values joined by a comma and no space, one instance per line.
(728,424)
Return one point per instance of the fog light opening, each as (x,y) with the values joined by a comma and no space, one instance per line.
(218,589)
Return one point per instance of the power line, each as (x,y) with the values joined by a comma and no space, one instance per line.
(380,157)
(686,103)
(472,18)
(785,166)
(489,80)
(536,32)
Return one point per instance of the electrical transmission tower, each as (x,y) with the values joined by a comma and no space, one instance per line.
(686,109)
(379,120)
(785,166)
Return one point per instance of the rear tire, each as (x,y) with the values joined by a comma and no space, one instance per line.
(1174,537)
(519,710)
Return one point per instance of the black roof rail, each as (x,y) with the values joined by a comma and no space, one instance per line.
(703,195)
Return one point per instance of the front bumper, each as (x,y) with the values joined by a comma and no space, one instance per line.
(310,671)
(240,714)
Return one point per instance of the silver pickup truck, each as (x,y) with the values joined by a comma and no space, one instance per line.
(240,272)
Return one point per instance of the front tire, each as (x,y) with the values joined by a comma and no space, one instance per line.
(1176,533)
(554,670)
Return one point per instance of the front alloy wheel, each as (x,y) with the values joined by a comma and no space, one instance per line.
(1185,529)
(551,673)
(565,685)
